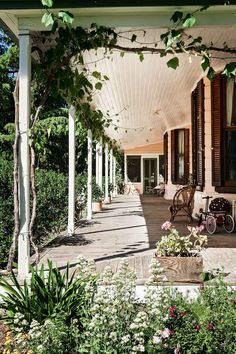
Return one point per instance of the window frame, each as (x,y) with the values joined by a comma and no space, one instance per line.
(175,179)
(134,157)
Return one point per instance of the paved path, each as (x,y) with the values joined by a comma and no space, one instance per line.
(130,227)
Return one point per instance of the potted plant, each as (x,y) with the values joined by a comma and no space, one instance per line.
(97,196)
(180,255)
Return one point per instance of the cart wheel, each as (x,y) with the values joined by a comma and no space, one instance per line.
(229,224)
(210,224)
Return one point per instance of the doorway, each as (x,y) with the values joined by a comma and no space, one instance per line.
(149,174)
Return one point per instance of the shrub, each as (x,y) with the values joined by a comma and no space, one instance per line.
(6,208)
(52,204)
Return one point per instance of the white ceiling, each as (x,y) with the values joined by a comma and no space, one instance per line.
(146,98)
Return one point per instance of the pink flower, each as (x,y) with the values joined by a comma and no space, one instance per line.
(172,312)
(198,328)
(166,333)
(166,226)
(210,326)
(200,228)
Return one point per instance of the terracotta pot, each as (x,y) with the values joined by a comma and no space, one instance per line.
(96,206)
(182,269)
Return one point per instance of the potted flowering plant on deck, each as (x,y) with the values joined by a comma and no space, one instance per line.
(97,196)
(180,255)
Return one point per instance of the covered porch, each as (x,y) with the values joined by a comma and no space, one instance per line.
(129,228)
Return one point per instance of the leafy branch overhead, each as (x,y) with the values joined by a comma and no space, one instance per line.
(176,40)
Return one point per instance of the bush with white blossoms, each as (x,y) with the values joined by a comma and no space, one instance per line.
(166,322)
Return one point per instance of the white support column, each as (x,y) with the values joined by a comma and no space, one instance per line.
(106,173)
(125,169)
(114,177)
(71,195)
(24,159)
(97,162)
(111,169)
(100,164)
(89,182)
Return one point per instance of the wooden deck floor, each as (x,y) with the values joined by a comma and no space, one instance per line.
(130,228)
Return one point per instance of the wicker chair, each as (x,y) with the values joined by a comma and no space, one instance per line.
(182,203)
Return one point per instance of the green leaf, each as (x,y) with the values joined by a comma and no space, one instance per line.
(106,77)
(96,74)
(133,38)
(47,19)
(211,73)
(47,3)
(189,21)
(173,63)
(230,70)
(141,57)
(177,16)
(122,54)
(205,63)
(98,85)
(66,17)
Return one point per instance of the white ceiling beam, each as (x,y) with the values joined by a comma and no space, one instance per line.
(158,17)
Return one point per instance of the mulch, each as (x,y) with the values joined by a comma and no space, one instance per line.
(3,331)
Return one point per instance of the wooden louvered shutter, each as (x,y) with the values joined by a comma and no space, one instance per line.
(166,157)
(186,153)
(173,156)
(216,129)
(194,136)
(198,145)
(200,134)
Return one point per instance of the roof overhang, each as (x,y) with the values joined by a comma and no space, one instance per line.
(146,99)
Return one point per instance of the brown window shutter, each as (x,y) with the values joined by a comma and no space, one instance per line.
(216,131)
(186,153)
(194,135)
(173,156)
(166,157)
(200,135)
(198,145)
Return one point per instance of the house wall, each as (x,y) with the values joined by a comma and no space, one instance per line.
(208,188)
(149,151)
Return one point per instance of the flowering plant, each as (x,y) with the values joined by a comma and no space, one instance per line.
(174,245)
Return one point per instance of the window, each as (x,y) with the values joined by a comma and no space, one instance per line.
(134,168)
(223,92)
(180,156)
(198,145)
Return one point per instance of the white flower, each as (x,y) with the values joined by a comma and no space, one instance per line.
(156,340)
(166,333)
(125,339)
(140,348)
(40,347)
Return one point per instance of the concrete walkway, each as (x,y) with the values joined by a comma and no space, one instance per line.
(130,227)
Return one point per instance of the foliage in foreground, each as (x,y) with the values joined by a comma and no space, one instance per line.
(109,319)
